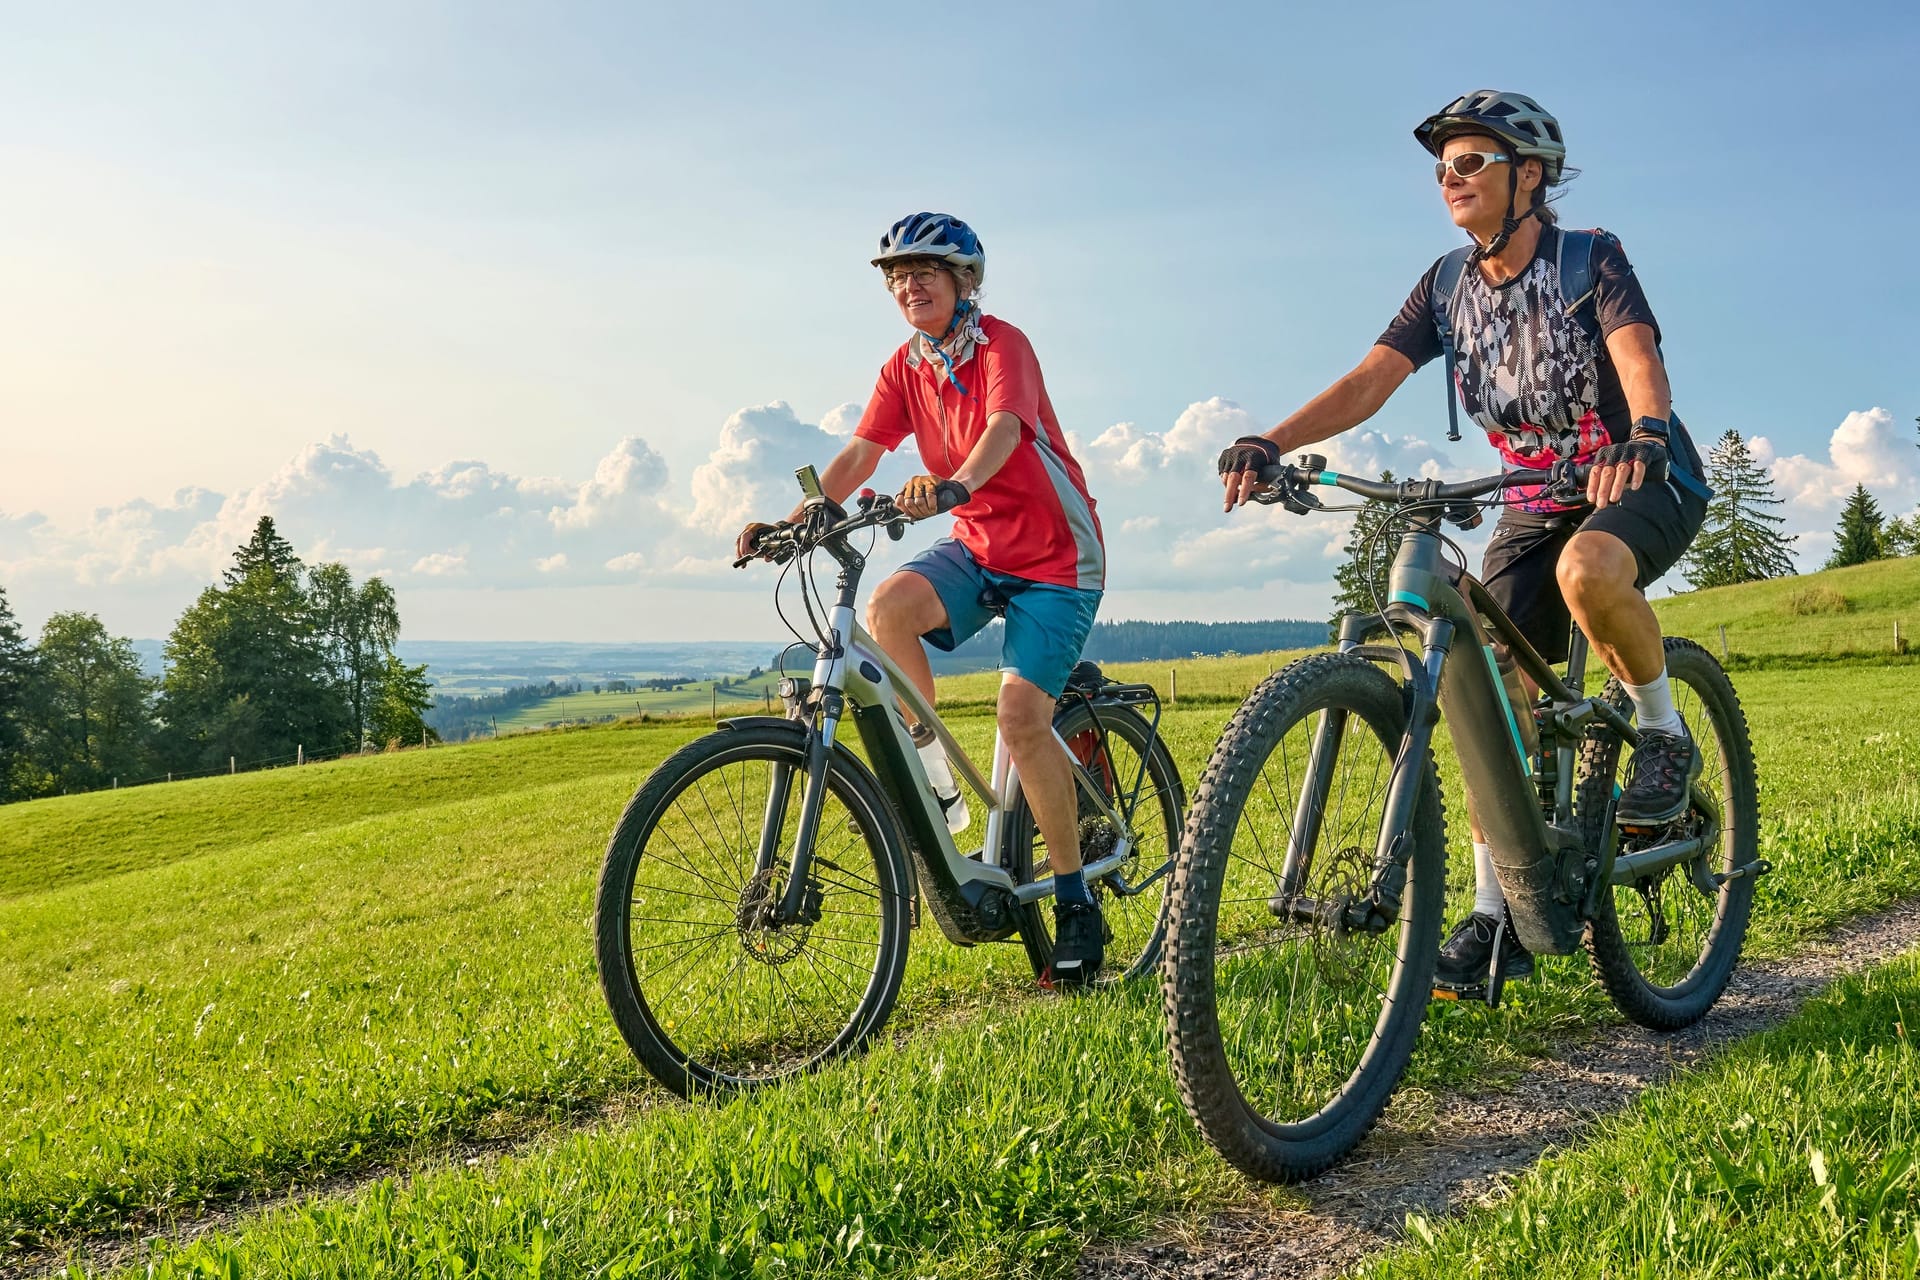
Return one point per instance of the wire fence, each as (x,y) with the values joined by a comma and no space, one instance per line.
(235,766)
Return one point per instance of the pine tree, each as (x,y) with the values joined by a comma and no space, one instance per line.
(247,676)
(1856,539)
(1362,580)
(1741,540)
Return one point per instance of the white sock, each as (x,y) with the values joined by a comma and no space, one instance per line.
(1653,705)
(1487,898)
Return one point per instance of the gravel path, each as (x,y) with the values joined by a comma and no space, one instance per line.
(1478,1141)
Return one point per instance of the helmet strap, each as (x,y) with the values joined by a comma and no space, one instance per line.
(1508,224)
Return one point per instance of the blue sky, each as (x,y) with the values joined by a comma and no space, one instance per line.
(520,305)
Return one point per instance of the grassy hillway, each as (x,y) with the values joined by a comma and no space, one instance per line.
(1837,614)
(246,984)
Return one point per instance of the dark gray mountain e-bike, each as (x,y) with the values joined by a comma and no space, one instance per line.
(1306,904)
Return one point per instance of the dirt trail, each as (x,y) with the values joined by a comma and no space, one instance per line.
(1480,1140)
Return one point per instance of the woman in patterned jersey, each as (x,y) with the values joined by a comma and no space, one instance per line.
(1545,383)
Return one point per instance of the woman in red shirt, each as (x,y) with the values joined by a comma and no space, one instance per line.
(967,387)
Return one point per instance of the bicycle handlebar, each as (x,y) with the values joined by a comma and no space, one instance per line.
(788,539)
(1286,482)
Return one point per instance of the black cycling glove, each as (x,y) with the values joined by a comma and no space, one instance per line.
(1248,453)
(1651,452)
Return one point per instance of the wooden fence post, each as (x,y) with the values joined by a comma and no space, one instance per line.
(1173,685)
(230,768)
(1723,642)
(300,753)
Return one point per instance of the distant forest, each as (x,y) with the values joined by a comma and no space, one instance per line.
(1154,641)
(457,718)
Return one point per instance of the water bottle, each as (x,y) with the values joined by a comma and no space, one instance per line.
(945,789)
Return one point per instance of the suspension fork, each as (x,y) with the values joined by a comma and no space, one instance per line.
(1395,849)
(820,745)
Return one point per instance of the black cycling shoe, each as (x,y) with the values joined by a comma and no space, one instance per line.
(1466,957)
(1079,944)
(1661,777)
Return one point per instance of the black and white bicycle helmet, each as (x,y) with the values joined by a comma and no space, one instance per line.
(1514,118)
(935,235)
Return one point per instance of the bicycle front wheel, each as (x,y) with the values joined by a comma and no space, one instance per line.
(1288,1028)
(1142,801)
(708,991)
(1663,946)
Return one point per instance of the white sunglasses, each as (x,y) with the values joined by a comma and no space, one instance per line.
(1467,163)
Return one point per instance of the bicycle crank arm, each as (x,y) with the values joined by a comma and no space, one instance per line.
(1757,868)
(1026,893)
(1122,889)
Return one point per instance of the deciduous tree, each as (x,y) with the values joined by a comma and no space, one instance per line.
(91,714)
(16,679)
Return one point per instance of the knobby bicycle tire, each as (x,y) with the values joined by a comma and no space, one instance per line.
(1663,950)
(1227,1094)
(709,997)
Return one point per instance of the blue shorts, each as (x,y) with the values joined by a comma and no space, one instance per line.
(1046,625)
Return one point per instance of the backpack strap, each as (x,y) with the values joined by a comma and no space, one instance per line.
(1446,280)
(1574,262)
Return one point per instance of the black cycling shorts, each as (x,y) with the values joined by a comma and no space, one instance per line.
(1656,521)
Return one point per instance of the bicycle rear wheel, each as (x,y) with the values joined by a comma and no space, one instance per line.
(1144,803)
(1288,1029)
(1664,947)
(708,993)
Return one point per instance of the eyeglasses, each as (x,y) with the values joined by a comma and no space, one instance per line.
(1467,163)
(922,276)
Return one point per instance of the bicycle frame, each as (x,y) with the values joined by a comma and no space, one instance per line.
(1550,877)
(972,898)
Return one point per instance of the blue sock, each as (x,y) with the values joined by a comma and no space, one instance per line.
(1071,886)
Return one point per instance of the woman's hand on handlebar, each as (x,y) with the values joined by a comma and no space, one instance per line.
(747,545)
(1240,465)
(1617,468)
(925,496)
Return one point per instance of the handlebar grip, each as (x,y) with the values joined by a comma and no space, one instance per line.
(949,494)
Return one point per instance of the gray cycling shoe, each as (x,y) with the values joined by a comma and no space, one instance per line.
(1466,957)
(1660,779)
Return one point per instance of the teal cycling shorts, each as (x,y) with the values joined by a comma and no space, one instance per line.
(1046,625)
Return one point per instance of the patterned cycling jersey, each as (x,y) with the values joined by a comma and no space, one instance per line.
(1528,372)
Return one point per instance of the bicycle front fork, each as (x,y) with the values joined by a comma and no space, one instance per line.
(1378,908)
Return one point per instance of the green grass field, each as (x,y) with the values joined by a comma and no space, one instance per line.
(1796,1154)
(697,698)
(1840,613)
(250,984)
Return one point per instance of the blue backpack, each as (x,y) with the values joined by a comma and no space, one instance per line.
(1573,257)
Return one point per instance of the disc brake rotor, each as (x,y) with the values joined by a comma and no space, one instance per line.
(753,920)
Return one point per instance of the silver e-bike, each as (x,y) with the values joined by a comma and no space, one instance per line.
(759,891)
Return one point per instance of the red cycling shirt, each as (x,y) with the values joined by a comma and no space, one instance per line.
(1034,519)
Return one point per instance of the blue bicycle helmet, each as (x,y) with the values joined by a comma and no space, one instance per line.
(935,235)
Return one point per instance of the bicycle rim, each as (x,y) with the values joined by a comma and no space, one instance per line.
(708,991)
(1662,946)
